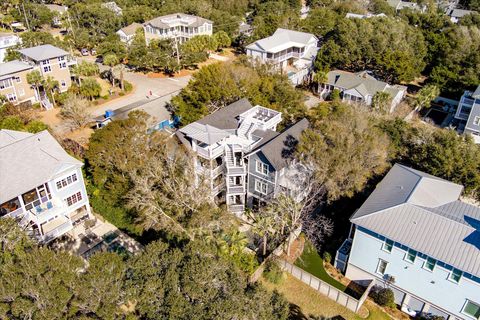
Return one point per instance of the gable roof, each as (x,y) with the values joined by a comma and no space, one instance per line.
(204,133)
(362,82)
(43,52)
(282,39)
(459,13)
(226,117)
(131,29)
(27,160)
(174,19)
(279,150)
(423,212)
(11,67)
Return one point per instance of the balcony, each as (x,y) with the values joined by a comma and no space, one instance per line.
(55,228)
(209,152)
(284,57)
(46,211)
(217,170)
(236,208)
(235,189)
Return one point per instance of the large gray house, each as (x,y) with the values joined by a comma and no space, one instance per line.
(247,161)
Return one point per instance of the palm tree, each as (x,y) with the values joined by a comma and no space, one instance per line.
(85,69)
(50,85)
(263,225)
(111,60)
(426,95)
(35,79)
(321,76)
(231,243)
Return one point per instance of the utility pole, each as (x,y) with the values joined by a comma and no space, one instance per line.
(25,15)
(176,49)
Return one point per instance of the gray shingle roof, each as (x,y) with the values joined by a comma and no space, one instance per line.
(28,160)
(226,117)
(459,13)
(423,212)
(279,150)
(282,39)
(163,21)
(12,67)
(362,82)
(131,29)
(43,52)
(474,112)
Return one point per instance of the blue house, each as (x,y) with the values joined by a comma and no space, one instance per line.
(415,236)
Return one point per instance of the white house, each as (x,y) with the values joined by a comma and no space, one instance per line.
(59,11)
(41,185)
(364,16)
(127,33)
(179,26)
(113,6)
(293,52)
(360,87)
(400,5)
(7,40)
(414,236)
(468,112)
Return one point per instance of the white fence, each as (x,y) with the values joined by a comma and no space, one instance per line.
(324,288)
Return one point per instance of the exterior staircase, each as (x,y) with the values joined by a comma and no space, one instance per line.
(46,103)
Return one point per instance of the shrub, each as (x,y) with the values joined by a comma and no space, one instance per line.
(335,95)
(384,297)
(127,86)
(327,258)
(273,273)
(36,126)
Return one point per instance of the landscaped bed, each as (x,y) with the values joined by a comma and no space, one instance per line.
(311,262)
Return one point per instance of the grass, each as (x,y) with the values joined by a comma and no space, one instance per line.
(305,301)
(311,262)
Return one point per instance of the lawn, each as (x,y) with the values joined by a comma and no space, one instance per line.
(311,262)
(306,301)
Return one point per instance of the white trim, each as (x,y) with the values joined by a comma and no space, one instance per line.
(261,184)
(65,177)
(465,304)
(424,266)
(263,165)
(405,258)
(377,270)
(384,244)
(449,278)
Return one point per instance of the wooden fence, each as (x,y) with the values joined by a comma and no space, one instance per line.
(324,288)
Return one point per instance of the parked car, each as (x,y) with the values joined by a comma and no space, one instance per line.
(93,52)
(84,52)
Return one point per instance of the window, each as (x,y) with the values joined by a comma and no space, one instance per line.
(382,266)
(7,83)
(260,186)
(411,255)
(17,79)
(455,275)
(63,65)
(262,167)
(11,97)
(45,62)
(60,59)
(387,245)
(66,181)
(471,309)
(430,264)
(21,92)
(476,121)
(47,69)
(74,198)
(63,83)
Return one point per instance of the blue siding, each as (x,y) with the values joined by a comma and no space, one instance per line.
(433,287)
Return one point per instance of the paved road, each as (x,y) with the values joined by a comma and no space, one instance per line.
(162,89)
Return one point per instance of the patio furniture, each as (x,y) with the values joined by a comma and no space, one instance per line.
(49,205)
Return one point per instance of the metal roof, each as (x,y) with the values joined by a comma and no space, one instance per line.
(43,52)
(204,133)
(28,160)
(423,212)
(283,39)
(280,150)
(474,113)
(131,29)
(459,13)
(12,67)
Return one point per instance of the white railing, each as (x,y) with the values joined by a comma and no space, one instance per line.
(285,57)
(235,189)
(217,170)
(210,153)
(58,231)
(236,207)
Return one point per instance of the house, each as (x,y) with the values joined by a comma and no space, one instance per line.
(365,16)
(415,236)
(398,5)
(50,61)
(7,40)
(360,87)
(41,185)
(292,52)
(113,6)
(245,28)
(178,26)
(246,160)
(13,82)
(58,11)
(127,33)
(457,14)
(468,112)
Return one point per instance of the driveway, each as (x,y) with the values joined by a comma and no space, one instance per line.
(161,89)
